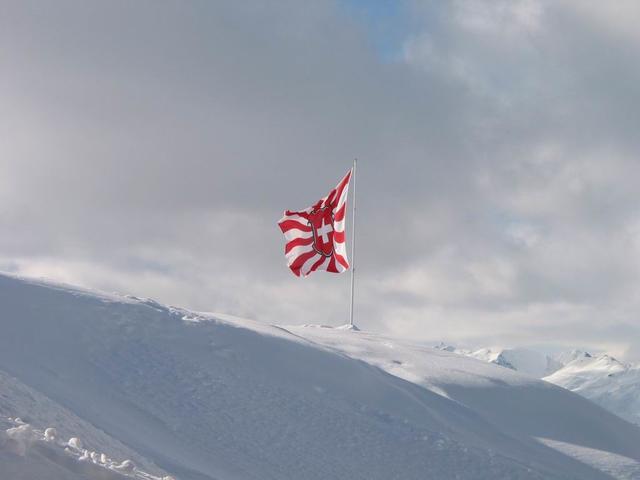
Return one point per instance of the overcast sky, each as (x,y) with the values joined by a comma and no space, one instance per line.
(150,147)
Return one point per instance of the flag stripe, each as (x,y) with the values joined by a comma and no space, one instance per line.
(297,264)
(339,215)
(341,260)
(298,242)
(318,264)
(338,237)
(332,266)
(308,265)
(295,252)
(342,188)
(291,234)
(329,198)
(287,225)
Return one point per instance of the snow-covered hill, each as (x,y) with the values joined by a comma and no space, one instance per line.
(604,380)
(201,396)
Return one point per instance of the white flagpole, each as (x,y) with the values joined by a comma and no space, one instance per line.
(353,238)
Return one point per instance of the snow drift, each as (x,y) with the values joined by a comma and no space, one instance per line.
(203,397)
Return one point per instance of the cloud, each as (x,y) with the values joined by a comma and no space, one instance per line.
(151,149)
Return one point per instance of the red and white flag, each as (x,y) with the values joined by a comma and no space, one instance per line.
(315,236)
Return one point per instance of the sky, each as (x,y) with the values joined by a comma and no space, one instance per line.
(150,148)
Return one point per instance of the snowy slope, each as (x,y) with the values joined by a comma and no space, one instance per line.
(205,397)
(520,405)
(604,380)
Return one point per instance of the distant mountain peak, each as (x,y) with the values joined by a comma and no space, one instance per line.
(445,347)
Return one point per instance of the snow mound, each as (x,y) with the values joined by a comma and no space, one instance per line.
(46,452)
(348,326)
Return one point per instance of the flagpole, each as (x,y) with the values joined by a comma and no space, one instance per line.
(353,239)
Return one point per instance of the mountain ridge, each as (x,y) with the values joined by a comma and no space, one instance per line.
(601,378)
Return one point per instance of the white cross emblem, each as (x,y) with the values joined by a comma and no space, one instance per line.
(324,230)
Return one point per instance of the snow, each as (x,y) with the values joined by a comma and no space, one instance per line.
(463,381)
(604,380)
(202,396)
(565,358)
(23,402)
(523,360)
(19,439)
(29,453)
(50,434)
(75,443)
(617,466)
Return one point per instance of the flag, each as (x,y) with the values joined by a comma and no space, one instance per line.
(316,236)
